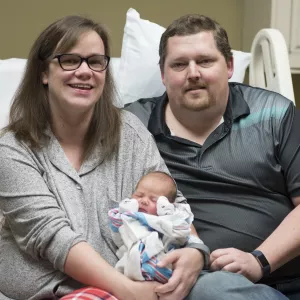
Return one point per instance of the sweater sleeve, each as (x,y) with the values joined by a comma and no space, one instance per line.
(37,223)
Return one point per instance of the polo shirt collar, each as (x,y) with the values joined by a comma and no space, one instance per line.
(236,103)
(157,124)
(236,108)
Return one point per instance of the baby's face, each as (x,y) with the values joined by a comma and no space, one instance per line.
(147,201)
(147,193)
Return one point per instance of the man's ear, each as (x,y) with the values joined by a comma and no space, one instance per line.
(162,74)
(230,67)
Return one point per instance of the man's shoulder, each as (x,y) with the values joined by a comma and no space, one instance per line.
(257,96)
(263,104)
(142,108)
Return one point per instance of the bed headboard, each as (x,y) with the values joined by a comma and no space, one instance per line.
(270,67)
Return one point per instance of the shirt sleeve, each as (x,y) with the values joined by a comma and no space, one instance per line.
(37,223)
(289,150)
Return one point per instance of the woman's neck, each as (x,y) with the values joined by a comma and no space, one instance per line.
(71,129)
(71,134)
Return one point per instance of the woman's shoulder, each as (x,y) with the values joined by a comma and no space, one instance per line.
(132,125)
(10,144)
(8,138)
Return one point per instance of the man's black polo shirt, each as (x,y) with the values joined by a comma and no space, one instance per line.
(240,181)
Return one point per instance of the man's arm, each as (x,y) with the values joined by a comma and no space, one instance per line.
(196,243)
(188,263)
(284,243)
(280,247)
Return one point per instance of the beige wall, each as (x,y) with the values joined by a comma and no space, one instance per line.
(296,84)
(22,21)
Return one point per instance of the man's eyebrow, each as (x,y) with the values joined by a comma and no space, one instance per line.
(200,56)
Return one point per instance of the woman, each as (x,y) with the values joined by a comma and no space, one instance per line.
(65,157)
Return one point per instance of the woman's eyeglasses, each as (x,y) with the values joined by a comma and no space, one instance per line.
(70,62)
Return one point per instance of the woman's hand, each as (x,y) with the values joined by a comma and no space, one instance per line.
(236,261)
(84,264)
(187,265)
(141,290)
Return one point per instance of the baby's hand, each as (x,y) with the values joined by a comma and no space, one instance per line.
(164,207)
(128,205)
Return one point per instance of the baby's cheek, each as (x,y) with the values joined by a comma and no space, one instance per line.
(154,209)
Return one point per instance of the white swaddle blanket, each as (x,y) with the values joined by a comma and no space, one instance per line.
(144,239)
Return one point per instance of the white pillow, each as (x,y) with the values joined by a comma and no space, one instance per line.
(11,73)
(241,63)
(139,75)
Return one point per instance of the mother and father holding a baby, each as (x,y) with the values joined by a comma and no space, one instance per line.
(91,211)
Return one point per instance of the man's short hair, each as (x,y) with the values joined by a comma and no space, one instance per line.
(193,24)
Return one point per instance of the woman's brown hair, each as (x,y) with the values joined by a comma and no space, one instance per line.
(30,112)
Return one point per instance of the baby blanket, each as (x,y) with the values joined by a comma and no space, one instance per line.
(144,239)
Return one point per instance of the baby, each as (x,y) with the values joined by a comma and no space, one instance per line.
(155,194)
(148,226)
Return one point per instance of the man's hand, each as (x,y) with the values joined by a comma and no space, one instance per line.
(187,265)
(236,261)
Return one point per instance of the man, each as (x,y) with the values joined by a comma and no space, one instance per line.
(234,153)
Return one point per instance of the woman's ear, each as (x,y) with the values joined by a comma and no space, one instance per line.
(45,78)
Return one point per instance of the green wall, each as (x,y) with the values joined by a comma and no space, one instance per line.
(21,21)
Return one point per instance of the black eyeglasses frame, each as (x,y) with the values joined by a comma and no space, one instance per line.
(82,59)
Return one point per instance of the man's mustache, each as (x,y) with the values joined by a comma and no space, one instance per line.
(195,87)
